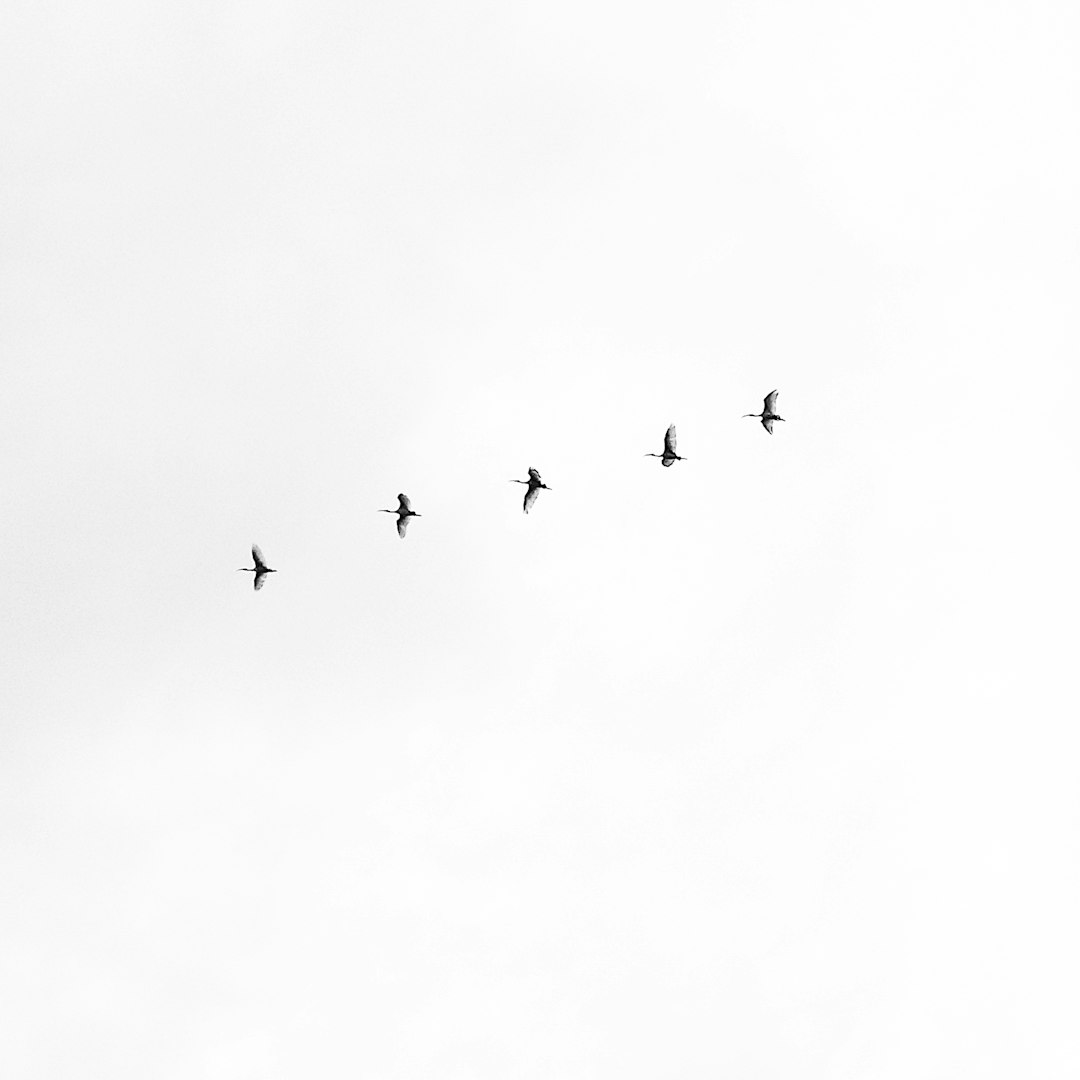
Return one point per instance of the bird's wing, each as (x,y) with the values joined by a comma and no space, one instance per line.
(767,423)
(530,497)
(402,525)
(770,401)
(257,555)
(669,440)
(260,579)
(403,502)
(535,476)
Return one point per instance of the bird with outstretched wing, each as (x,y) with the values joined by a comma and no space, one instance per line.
(260,569)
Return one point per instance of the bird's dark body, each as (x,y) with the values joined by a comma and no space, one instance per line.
(767,414)
(534,484)
(404,512)
(260,569)
(668,457)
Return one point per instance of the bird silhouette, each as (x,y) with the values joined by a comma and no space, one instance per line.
(260,569)
(767,415)
(668,456)
(404,512)
(535,484)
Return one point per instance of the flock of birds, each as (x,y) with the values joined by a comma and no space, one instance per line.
(768,416)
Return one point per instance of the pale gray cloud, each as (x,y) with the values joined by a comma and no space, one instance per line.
(756,766)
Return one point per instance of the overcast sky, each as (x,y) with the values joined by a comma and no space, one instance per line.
(761,766)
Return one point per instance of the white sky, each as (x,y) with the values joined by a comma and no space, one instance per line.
(760,766)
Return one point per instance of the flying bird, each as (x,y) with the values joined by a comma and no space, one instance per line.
(669,455)
(260,569)
(535,484)
(404,512)
(767,415)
